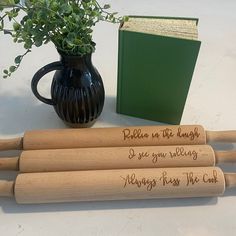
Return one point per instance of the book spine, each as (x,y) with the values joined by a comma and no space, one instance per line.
(119,71)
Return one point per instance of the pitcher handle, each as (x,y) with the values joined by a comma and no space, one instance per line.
(39,74)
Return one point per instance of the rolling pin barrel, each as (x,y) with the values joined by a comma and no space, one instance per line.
(114,137)
(102,185)
(117,137)
(116,158)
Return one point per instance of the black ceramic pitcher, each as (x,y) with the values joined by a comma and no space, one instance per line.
(77,91)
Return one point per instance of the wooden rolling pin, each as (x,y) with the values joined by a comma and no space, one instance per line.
(116,158)
(98,185)
(117,137)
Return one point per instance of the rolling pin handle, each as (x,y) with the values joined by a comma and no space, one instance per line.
(9,163)
(6,188)
(11,144)
(221,136)
(230,180)
(225,156)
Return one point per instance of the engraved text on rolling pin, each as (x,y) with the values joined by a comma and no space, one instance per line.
(165,180)
(178,153)
(167,133)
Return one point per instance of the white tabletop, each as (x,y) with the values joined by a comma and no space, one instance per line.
(211,102)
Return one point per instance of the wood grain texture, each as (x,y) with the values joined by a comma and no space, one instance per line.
(6,188)
(230,180)
(11,144)
(117,137)
(225,156)
(114,137)
(221,136)
(116,158)
(9,163)
(102,185)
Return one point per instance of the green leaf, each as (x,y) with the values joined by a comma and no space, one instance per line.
(29,24)
(125,18)
(55,6)
(7,2)
(38,43)
(71,36)
(107,6)
(16,26)
(89,31)
(65,8)
(28,44)
(42,15)
(7,32)
(18,59)
(12,69)
(68,24)
(2,23)
(5,72)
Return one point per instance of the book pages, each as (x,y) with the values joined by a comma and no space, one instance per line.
(178,28)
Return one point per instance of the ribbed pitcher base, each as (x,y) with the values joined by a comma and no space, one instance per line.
(80,125)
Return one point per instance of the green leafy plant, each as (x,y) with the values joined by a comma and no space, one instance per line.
(66,23)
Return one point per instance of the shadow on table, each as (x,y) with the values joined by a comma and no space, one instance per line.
(20,113)
(9,205)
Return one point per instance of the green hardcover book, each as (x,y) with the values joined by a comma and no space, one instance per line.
(156,61)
